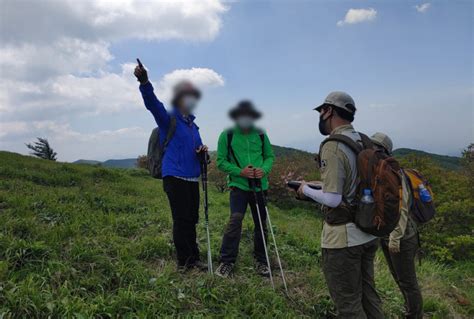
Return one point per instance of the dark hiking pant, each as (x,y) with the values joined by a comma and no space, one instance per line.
(183,197)
(239,200)
(349,274)
(402,267)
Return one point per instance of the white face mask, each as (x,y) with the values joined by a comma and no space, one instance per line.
(189,103)
(245,121)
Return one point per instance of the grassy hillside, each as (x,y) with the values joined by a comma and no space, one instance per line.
(448,162)
(85,241)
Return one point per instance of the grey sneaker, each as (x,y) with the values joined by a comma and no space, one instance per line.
(224,270)
(262,269)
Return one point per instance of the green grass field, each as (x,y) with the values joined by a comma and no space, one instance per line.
(83,241)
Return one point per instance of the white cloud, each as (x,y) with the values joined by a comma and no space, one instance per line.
(13,128)
(50,20)
(354,16)
(55,63)
(45,110)
(38,62)
(422,8)
(201,77)
(59,37)
(71,96)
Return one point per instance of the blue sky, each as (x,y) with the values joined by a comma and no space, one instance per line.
(410,73)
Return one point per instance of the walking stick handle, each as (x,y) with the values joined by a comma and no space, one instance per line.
(204,157)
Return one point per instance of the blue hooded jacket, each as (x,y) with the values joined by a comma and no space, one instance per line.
(180,158)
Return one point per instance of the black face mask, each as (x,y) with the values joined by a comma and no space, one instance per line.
(322,125)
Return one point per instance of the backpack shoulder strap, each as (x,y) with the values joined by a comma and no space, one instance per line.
(407,181)
(261,134)
(366,141)
(230,136)
(346,140)
(170,133)
(230,150)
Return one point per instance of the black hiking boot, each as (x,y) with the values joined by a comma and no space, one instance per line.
(198,265)
(224,270)
(262,269)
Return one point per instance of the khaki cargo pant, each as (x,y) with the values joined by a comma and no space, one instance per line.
(402,267)
(349,274)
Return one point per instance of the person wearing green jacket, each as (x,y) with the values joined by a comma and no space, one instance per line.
(244,152)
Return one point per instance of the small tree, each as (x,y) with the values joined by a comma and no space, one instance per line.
(42,149)
(142,161)
(217,177)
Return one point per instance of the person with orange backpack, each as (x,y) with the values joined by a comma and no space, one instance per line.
(401,246)
(360,202)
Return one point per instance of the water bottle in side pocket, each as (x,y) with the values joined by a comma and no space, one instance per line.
(424,193)
(367,198)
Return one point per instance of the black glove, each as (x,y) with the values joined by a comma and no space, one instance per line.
(141,74)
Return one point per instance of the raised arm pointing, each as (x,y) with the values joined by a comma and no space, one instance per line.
(152,103)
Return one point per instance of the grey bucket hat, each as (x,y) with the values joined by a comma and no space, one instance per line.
(339,99)
(382,140)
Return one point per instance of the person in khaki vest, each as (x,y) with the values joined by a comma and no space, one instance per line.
(347,252)
(401,247)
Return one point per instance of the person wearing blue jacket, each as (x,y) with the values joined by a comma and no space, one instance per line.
(180,165)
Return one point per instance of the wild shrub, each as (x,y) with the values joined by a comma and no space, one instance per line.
(289,168)
(217,178)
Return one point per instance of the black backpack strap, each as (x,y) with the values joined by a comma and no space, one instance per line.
(261,134)
(230,150)
(169,134)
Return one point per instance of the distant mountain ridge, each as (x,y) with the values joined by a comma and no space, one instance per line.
(445,161)
(117,163)
(83,161)
(449,162)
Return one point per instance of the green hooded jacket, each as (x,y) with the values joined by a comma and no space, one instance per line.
(248,151)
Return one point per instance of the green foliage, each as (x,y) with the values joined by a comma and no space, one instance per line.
(80,241)
(462,247)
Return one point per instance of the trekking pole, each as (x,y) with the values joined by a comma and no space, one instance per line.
(252,183)
(204,162)
(273,236)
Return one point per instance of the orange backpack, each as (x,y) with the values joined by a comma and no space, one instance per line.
(381,174)
(422,212)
